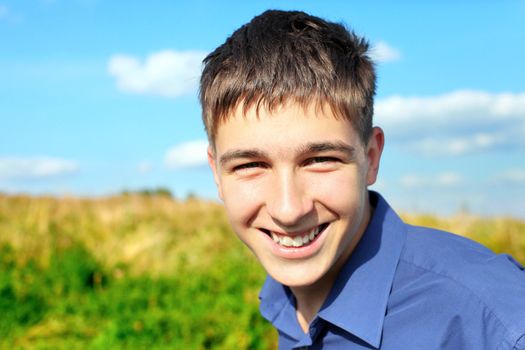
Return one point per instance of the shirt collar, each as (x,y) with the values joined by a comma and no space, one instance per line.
(358,300)
(359,297)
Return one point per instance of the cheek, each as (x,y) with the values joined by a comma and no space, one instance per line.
(337,190)
(242,202)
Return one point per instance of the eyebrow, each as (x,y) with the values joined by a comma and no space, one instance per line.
(240,154)
(313,147)
(318,147)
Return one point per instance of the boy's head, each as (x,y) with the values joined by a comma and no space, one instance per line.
(287,104)
(282,57)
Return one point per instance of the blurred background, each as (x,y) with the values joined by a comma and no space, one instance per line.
(111,234)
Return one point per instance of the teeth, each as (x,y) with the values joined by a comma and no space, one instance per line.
(297,241)
(314,233)
(286,241)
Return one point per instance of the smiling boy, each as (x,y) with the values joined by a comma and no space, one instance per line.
(287,104)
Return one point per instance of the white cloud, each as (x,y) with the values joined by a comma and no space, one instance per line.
(456,123)
(443,180)
(381,52)
(449,179)
(513,176)
(187,155)
(456,146)
(412,180)
(35,167)
(165,73)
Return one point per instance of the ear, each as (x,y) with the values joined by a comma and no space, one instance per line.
(374,151)
(213,166)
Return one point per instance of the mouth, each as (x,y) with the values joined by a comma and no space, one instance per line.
(296,240)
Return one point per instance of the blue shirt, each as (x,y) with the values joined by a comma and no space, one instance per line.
(407,287)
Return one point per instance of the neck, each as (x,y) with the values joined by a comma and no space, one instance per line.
(310,298)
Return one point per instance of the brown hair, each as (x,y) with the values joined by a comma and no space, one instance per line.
(282,55)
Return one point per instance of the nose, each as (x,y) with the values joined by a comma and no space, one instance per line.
(288,201)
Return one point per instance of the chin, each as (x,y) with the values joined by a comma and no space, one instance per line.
(297,276)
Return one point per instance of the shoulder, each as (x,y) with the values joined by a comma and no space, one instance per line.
(459,259)
(428,247)
(469,286)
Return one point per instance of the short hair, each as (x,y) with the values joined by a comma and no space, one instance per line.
(282,56)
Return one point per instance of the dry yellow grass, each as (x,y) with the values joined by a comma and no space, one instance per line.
(153,234)
(148,234)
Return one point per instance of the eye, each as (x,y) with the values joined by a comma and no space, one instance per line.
(247,168)
(321,160)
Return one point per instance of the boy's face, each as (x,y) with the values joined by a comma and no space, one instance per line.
(294,184)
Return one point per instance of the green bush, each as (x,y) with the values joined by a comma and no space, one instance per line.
(70,308)
(22,302)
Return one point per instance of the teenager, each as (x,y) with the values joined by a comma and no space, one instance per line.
(287,104)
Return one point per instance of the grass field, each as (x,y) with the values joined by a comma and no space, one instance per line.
(148,272)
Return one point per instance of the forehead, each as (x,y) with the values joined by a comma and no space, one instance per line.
(283,128)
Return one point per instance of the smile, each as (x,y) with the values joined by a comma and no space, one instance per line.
(298,240)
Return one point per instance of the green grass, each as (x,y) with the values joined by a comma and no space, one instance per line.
(75,304)
(131,272)
(146,272)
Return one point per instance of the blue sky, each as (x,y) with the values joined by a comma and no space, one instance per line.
(101,96)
